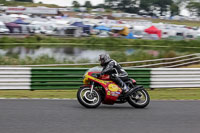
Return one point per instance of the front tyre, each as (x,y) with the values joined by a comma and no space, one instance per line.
(139,99)
(88,99)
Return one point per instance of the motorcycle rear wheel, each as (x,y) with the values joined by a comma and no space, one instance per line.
(139,99)
(87,99)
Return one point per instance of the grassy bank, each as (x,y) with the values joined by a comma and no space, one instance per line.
(157,94)
(15,60)
(92,41)
(178,22)
(38,94)
(141,48)
(137,55)
(193,66)
(26,4)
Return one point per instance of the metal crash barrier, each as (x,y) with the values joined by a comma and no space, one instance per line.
(71,78)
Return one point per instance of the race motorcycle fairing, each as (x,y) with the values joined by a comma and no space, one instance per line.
(111,89)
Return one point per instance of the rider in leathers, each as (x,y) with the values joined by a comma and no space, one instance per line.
(112,68)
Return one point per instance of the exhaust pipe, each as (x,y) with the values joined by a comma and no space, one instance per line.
(140,87)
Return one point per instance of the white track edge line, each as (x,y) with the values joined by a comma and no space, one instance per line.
(4,98)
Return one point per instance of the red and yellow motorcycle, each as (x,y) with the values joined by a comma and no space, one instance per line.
(102,90)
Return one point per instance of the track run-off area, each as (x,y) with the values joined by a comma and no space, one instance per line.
(68,116)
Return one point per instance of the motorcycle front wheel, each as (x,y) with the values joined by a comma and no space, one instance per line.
(88,99)
(139,99)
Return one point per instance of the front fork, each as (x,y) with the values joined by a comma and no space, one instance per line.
(92,87)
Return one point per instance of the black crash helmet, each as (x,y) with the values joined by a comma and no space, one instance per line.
(104,58)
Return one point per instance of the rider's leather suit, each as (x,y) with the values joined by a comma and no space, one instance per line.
(116,72)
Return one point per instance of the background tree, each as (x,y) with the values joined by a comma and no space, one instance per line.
(174,9)
(76,4)
(24,0)
(100,6)
(148,5)
(88,4)
(145,4)
(163,4)
(194,8)
(129,6)
(111,3)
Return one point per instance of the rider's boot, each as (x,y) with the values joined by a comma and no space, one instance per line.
(125,88)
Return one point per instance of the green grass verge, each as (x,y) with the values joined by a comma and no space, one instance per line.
(92,42)
(166,48)
(178,22)
(175,94)
(26,4)
(38,93)
(157,94)
(192,66)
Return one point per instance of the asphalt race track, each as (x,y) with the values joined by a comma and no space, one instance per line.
(68,116)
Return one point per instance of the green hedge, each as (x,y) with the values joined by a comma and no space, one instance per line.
(92,41)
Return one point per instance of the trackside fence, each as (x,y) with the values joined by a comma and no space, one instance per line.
(156,63)
(71,78)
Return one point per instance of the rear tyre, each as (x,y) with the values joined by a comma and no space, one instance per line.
(88,99)
(139,99)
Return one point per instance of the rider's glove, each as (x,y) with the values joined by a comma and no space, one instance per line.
(98,75)
(102,73)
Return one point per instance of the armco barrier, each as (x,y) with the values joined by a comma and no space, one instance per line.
(175,78)
(71,78)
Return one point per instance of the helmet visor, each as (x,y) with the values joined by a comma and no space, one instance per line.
(101,59)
